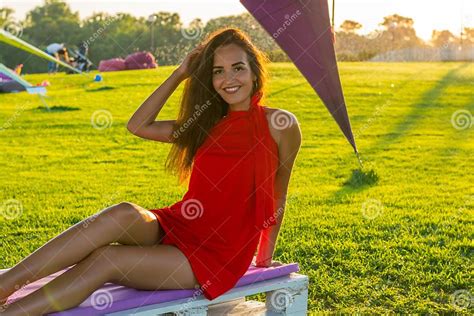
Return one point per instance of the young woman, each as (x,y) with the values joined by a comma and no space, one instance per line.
(235,154)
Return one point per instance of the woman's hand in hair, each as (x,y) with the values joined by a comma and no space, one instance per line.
(184,69)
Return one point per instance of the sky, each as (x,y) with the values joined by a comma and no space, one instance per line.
(427,14)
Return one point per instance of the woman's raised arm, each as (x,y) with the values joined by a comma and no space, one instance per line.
(142,123)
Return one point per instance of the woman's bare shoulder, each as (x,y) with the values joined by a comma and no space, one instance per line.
(270,111)
(279,120)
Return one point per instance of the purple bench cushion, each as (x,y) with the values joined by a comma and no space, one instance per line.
(112,298)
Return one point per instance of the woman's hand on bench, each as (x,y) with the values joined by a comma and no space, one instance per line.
(265,263)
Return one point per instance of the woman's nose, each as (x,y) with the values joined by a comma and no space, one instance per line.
(229,77)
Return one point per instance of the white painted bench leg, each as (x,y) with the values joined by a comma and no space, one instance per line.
(290,301)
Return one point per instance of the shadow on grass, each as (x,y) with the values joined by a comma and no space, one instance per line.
(419,108)
(286,88)
(56,108)
(362,179)
(453,143)
(104,88)
(127,85)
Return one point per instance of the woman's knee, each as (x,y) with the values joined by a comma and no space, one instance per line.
(122,213)
(138,225)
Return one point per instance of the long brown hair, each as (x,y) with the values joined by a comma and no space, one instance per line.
(201,106)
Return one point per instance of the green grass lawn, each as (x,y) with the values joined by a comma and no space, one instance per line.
(403,244)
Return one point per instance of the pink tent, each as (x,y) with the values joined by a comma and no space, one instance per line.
(114,64)
(140,60)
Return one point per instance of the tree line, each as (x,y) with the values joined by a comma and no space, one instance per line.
(164,34)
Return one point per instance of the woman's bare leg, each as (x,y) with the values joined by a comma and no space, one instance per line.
(76,285)
(142,267)
(126,223)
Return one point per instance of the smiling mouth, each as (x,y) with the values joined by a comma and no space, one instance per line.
(232,89)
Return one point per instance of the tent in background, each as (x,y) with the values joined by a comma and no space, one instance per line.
(138,60)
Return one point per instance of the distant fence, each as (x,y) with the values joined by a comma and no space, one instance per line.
(427,54)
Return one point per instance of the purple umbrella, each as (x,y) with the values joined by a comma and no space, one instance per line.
(302,29)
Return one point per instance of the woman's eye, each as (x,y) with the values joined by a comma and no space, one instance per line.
(217,72)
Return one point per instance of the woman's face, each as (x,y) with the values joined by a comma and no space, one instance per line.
(232,76)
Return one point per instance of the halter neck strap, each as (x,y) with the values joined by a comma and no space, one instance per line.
(265,162)
(255,99)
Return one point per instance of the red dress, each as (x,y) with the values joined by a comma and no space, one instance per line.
(230,199)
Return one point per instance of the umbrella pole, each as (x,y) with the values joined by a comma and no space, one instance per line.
(332,17)
(359,160)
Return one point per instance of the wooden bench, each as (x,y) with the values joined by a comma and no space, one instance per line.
(286,294)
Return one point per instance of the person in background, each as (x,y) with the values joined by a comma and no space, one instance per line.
(57,50)
(83,62)
(18,69)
